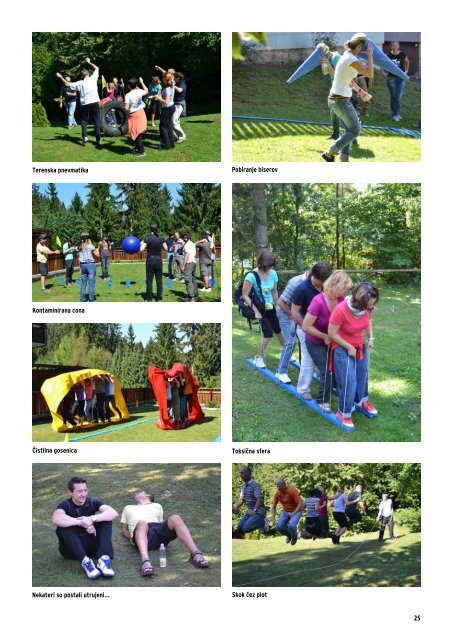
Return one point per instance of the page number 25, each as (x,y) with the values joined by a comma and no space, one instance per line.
(416,618)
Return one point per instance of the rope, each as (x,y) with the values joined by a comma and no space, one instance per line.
(327,566)
(404,132)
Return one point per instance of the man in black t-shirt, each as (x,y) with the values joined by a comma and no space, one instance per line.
(395,84)
(353,500)
(84,530)
(154,244)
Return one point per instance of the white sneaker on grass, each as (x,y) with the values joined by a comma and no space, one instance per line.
(259,362)
(283,377)
(104,567)
(91,571)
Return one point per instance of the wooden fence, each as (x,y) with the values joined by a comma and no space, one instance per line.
(56,263)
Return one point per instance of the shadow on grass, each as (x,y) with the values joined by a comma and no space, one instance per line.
(352,564)
(253,129)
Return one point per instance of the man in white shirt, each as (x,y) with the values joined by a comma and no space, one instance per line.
(143,525)
(89,100)
(385,517)
(188,267)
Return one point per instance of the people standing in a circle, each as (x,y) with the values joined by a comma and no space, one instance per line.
(395,84)
(154,244)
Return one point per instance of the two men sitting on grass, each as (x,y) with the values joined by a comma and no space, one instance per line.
(84,530)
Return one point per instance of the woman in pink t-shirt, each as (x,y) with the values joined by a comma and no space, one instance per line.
(347,326)
(315,326)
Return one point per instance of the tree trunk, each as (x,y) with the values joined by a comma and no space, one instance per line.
(299,198)
(260,216)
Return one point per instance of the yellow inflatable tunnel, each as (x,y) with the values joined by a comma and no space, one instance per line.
(55,389)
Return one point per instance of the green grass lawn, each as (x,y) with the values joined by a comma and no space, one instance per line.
(361,561)
(394,383)
(135,272)
(205,431)
(190,490)
(261,90)
(58,144)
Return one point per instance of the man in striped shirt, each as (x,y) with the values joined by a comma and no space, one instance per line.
(252,496)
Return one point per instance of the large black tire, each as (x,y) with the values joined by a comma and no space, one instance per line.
(121,117)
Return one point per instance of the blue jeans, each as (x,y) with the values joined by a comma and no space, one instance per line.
(288,327)
(351,376)
(346,114)
(288,524)
(70,110)
(88,273)
(105,266)
(395,86)
(250,523)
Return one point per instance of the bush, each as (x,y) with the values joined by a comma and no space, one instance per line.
(410,518)
(211,404)
(39,116)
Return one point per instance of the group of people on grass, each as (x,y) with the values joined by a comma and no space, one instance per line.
(352,76)
(182,261)
(90,401)
(330,325)
(165,97)
(345,510)
(84,530)
(179,398)
(181,255)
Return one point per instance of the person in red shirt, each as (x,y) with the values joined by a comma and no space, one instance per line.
(348,323)
(292,504)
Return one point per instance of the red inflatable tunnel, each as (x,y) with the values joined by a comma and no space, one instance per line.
(176,392)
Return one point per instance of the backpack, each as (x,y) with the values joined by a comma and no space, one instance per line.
(257,300)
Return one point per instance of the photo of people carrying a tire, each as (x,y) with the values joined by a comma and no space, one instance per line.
(113,97)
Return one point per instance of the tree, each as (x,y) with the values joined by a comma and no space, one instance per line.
(203,351)
(166,349)
(198,208)
(260,215)
(99,214)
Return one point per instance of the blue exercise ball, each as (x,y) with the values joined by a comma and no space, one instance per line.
(131,244)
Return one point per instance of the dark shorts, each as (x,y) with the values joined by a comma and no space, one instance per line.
(341,519)
(205,268)
(43,269)
(269,323)
(354,516)
(159,533)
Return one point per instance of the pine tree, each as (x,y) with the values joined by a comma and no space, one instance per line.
(100,212)
(166,346)
(130,339)
(203,351)
(198,209)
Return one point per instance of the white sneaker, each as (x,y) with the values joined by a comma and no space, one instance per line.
(206,290)
(259,362)
(283,377)
(104,567)
(91,571)
(294,359)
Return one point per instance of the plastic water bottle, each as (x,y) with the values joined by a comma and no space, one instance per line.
(162,556)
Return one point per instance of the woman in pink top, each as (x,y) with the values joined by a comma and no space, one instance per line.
(348,323)
(315,326)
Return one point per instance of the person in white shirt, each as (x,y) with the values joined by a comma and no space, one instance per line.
(188,268)
(143,525)
(339,100)
(89,100)
(385,517)
(136,116)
